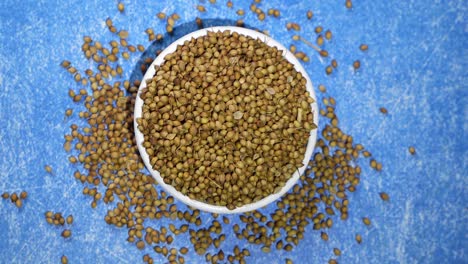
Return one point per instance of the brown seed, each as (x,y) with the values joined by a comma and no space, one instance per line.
(348,4)
(310,14)
(64,259)
(121,7)
(358,238)
(366,221)
(328,70)
(356,64)
(296,37)
(319,40)
(323,53)
(140,244)
(337,252)
(199,22)
(229,4)
(318,29)
(364,47)
(5,195)
(65,64)
(240,12)
(384,196)
(161,15)
(23,195)
(383,110)
(332,261)
(13,197)
(412,150)
(334,63)
(201,8)
(66,233)
(328,35)
(19,203)
(324,236)
(68,112)
(70,219)
(123,34)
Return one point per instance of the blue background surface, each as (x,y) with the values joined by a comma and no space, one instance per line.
(416,67)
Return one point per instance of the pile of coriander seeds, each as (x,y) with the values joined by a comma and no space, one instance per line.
(112,172)
(226,119)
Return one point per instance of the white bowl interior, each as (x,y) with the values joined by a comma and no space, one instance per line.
(209,207)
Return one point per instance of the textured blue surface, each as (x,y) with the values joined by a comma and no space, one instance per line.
(416,67)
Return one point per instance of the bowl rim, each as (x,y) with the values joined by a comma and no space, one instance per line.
(198,204)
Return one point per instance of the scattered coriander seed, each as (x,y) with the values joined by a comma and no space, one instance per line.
(14,197)
(328,35)
(121,7)
(384,196)
(310,14)
(70,219)
(329,70)
(66,233)
(23,195)
(337,251)
(200,22)
(348,4)
(332,261)
(320,40)
(123,34)
(334,63)
(324,236)
(292,48)
(364,47)
(323,53)
(322,88)
(383,110)
(318,29)
(64,259)
(5,195)
(296,37)
(229,4)
(201,8)
(358,238)
(356,64)
(412,150)
(366,221)
(240,12)
(65,64)
(161,15)
(19,203)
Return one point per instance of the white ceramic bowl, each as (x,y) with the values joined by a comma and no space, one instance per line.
(209,207)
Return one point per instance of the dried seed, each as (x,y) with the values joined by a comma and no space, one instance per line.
(366,221)
(201,8)
(337,252)
(161,15)
(348,4)
(66,233)
(358,238)
(23,195)
(412,150)
(5,195)
(310,14)
(64,259)
(121,7)
(356,64)
(383,110)
(384,196)
(70,219)
(364,47)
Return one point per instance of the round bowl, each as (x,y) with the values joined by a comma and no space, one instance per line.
(198,204)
